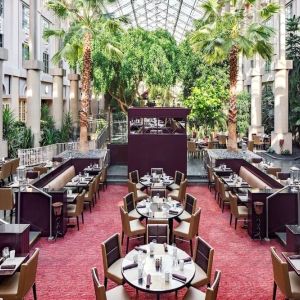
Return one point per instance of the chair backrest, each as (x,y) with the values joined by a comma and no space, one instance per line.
(194,223)
(28,274)
(97,179)
(111,251)
(157,221)
(42,170)
(129,203)
(212,291)
(217,183)
(103,176)
(157,170)
(250,145)
(134,176)
(256,160)
(233,204)
(6,170)
(256,139)
(210,145)
(190,203)
(158,232)
(281,273)
(99,288)
(158,192)
(203,256)
(210,173)
(7,199)
(125,221)
(80,203)
(273,170)
(283,175)
(14,165)
(222,188)
(179,177)
(182,190)
(132,189)
(191,146)
(90,192)
(222,139)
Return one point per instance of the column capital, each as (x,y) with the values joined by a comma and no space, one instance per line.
(283,64)
(33,64)
(3,53)
(74,77)
(57,72)
(257,71)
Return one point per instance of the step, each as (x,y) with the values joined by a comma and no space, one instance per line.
(282,237)
(33,237)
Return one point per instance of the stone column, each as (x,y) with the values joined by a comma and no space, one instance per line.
(3,144)
(281,134)
(15,96)
(74,99)
(57,103)
(33,66)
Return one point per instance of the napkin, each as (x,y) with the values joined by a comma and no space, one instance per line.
(187,259)
(141,206)
(140,249)
(179,277)
(8,267)
(173,212)
(131,266)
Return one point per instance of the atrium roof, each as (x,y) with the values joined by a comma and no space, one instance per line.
(176,16)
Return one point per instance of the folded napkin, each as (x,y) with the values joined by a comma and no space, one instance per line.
(173,212)
(131,266)
(143,180)
(178,204)
(187,259)
(179,277)
(140,249)
(165,247)
(148,281)
(8,267)
(141,206)
(296,256)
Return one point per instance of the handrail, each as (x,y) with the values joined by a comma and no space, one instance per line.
(3,222)
(267,207)
(50,238)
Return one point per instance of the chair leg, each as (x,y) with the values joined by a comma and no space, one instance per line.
(122,237)
(77,220)
(105,282)
(235,223)
(82,219)
(127,244)
(230,219)
(191,246)
(11,216)
(34,291)
(274,290)
(90,206)
(223,206)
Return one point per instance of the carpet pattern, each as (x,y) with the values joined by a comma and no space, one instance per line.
(64,270)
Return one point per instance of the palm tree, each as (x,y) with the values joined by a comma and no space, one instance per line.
(87,21)
(230,28)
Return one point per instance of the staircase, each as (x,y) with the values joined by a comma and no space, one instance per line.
(117,174)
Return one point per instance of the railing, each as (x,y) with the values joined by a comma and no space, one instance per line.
(102,138)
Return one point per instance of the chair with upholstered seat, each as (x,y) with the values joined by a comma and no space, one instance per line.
(17,286)
(192,149)
(238,211)
(89,195)
(14,165)
(224,196)
(97,186)
(287,281)
(103,179)
(158,192)
(189,208)
(135,178)
(217,187)
(258,141)
(7,201)
(113,294)
(210,294)
(112,259)
(188,230)
(41,170)
(211,179)
(129,207)
(157,221)
(157,171)
(203,258)
(137,194)
(75,210)
(5,171)
(132,229)
(222,140)
(179,195)
(178,178)
(251,146)
(158,232)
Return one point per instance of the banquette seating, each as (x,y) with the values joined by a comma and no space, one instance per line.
(252,179)
(61,180)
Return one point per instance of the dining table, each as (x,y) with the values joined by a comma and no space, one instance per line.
(10,266)
(235,183)
(80,182)
(160,208)
(293,260)
(156,181)
(175,271)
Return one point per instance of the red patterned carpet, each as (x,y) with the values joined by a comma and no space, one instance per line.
(64,271)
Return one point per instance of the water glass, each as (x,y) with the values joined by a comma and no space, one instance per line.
(181,264)
(174,250)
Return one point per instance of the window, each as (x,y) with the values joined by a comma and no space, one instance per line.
(25,51)
(268,66)
(1,40)
(22,110)
(45,25)
(46,62)
(25,17)
(289,10)
(252,63)
(1,8)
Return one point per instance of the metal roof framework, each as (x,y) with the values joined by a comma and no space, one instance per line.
(176,16)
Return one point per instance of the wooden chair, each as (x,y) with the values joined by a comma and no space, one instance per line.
(179,195)
(158,232)
(161,193)
(258,142)
(7,201)
(75,210)
(238,211)
(131,229)
(251,145)
(5,171)
(41,170)
(112,259)
(157,171)
(17,286)
(89,195)
(217,187)
(211,179)
(203,258)
(288,282)
(103,179)
(135,178)
(224,196)
(188,230)
(222,140)
(113,294)
(97,186)
(138,195)
(192,149)
(210,294)
(129,207)
(178,178)
(189,208)
(273,171)
(14,165)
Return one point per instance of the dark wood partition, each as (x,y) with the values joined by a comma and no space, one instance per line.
(162,147)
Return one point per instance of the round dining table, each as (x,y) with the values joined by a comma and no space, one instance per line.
(160,208)
(161,181)
(169,277)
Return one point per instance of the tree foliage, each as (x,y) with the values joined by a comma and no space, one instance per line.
(243,120)
(267,109)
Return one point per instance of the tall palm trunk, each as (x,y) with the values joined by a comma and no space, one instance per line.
(86,90)
(232,115)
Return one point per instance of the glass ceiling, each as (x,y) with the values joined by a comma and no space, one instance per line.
(176,16)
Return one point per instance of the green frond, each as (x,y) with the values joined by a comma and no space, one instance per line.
(211,9)
(267,12)
(59,7)
(113,52)
(48,32)
(264,49)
